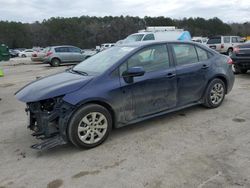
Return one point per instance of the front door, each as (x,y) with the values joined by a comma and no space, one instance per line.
(155,91)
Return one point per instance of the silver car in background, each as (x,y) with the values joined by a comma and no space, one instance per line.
(57,55)
(39,55)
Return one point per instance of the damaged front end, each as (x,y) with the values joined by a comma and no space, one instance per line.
(48,120)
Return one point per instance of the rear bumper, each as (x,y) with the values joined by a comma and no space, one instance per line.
(242,62)
(37,59)
(46,60)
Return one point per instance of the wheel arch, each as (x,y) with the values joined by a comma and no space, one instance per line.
(221,77)
(103,104)
(55,58)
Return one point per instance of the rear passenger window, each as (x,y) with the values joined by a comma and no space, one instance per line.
(185,54)
(74,50)
(62,49)
(235,39)
(202,54)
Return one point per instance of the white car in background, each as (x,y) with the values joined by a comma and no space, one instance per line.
(26,53)
(202,40)
(224,44)
(106,46)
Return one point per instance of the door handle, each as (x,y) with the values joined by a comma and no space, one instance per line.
(171,75)
(204,66)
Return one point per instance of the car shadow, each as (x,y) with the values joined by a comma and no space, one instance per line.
(246,75)
(159,121)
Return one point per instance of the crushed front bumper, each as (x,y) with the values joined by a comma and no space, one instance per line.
(48,120)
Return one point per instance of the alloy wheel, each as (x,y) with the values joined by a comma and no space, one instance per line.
(217,93)
(92,128)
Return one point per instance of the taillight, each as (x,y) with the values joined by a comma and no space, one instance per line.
(230,61)
(34,55)
(49,53)
(236,49)
(222,46)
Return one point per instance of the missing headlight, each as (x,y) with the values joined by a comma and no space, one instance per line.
(47,105)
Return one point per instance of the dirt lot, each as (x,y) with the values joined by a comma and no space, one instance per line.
(195,147)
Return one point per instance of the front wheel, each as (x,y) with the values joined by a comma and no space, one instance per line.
(89,126)
(215,93)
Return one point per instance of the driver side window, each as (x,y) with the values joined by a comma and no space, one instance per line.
(150,59)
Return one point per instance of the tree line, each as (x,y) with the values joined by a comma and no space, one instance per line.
(87,32)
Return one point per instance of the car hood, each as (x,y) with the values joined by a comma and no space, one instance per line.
(52,86)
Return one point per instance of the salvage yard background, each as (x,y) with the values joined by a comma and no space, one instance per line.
(87,32)
(195,147)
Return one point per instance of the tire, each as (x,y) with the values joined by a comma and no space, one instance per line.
(83,132)
(23,55)
(55,62)
(229,51)
(236,69)
(215,93)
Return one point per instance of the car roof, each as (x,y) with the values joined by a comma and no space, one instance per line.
(62,46)
(223,36)
(148,43)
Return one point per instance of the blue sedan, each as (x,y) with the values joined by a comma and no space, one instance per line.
(124,85)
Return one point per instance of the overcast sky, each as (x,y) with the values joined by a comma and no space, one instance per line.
(37,10)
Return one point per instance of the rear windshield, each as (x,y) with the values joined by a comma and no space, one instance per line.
(214,40)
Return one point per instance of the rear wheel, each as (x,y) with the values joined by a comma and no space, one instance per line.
(215,93)
(89,126)
(55,62)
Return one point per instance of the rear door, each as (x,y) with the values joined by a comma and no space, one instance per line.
(192,66)
(63,54)
(155,91)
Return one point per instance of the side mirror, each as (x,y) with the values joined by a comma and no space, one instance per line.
(132,72)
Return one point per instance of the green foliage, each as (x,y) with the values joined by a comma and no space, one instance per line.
(87,32)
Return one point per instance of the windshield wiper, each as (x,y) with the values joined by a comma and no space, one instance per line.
(79,72)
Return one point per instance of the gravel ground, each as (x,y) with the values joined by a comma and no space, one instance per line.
(195,147)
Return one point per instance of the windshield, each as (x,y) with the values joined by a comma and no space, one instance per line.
(102,61)
(134,38)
